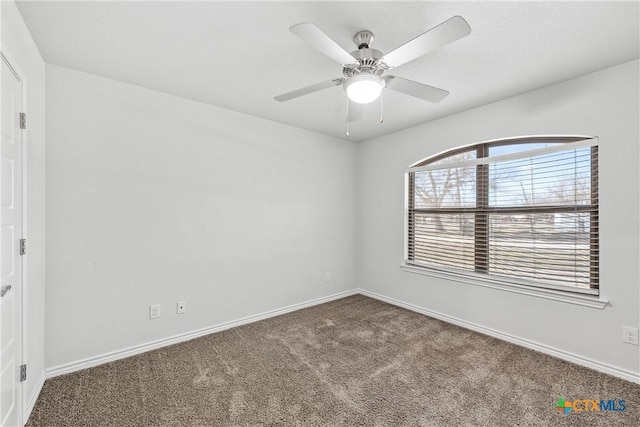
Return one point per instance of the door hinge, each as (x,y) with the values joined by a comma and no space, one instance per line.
(23,373)
(23,246)
(23,120)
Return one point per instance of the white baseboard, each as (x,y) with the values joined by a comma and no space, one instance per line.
(34,397)
(631,376)
(131,351)
(68,368)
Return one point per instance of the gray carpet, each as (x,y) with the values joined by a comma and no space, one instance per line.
(351,362)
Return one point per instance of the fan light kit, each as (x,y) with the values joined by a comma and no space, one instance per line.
(363,88)
(363,69)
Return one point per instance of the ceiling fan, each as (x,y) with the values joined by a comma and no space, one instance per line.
(364,68)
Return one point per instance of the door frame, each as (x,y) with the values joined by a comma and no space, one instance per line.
(14,66)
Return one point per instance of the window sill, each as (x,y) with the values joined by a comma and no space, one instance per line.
(592,301)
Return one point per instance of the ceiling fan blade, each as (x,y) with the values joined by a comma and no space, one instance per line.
(449,31)
(323,43)
(419,90)
(309,89)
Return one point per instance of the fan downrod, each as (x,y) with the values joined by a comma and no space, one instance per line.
(363,39)
(367,58)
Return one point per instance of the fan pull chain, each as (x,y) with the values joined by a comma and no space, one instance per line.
(347,117)
(381,117)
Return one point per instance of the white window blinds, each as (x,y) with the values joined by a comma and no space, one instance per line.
(526,211)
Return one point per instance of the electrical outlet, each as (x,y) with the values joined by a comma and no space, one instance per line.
(327,277)
(630,335)
(181,307)
(154,311)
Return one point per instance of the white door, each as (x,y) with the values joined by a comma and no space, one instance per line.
(10,234)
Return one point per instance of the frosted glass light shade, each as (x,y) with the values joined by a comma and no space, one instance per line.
(363,88)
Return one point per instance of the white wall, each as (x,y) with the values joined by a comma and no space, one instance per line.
(604,104)
(153,198)
(21,51)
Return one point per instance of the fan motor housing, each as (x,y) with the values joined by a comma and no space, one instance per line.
(367,61)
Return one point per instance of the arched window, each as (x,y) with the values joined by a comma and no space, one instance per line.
(524,210)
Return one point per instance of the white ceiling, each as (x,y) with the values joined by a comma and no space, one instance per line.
(238,55)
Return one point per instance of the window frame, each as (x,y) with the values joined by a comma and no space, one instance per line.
(482,212)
